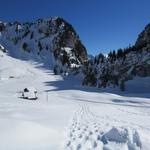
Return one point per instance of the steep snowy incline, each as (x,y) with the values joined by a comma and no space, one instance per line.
(52,41)
(66,115)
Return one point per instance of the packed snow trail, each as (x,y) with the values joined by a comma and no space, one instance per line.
(66,115)
(90,131)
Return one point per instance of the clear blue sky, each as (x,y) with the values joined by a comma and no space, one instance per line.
(102,25)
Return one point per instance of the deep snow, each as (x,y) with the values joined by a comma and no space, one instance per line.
(68,116)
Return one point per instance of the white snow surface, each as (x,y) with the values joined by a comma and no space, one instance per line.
(67,116)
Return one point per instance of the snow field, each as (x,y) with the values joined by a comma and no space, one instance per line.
(100,120)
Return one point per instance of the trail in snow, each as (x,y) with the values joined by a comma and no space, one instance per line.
(88,131)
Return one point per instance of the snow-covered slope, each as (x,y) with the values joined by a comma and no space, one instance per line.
(52,41)
(66,115)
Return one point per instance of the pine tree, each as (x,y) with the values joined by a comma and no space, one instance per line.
(55,70)
(31,35)
(114,55)
(119,53)
(40,46)
(122,85)
(24,46)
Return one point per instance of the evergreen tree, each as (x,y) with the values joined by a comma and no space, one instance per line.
(24,46)
(40,46)
(122,85)
(55,70)
(114,55)
(119,53)
(31,35)
(65,58)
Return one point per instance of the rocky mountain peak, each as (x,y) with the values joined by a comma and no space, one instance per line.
(143,40)
(44,37)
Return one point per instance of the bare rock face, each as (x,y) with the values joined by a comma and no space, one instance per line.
(143,41)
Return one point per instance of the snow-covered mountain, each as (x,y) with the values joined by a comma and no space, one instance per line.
(66,115)
(52,41)
(121,65)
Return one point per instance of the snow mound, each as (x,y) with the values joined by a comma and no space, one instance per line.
(122,136)
(115,135)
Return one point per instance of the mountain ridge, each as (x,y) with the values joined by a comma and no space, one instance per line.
(121,65)
(55,42)
(53,36)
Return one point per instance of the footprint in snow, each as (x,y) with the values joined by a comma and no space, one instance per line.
(86,133)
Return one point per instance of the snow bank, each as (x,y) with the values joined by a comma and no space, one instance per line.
(128,137)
